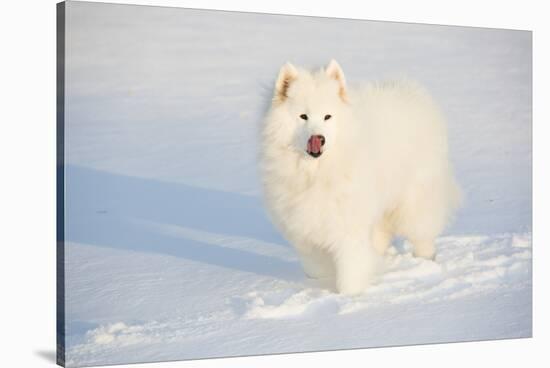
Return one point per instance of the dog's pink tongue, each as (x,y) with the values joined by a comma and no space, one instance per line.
(314,144)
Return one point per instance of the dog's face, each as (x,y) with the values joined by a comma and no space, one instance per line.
(314,105)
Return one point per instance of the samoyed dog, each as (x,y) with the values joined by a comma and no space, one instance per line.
(344,170)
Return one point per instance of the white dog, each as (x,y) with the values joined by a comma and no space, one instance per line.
(345,170)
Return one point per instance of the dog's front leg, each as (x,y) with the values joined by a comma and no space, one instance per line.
(317,263)
(355,265)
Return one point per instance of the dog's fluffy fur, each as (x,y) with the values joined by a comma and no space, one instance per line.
(383,171)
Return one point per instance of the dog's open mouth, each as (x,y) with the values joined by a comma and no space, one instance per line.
(314,145)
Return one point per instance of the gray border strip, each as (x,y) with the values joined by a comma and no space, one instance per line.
(60,186)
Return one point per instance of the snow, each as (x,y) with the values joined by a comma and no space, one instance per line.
(169,253)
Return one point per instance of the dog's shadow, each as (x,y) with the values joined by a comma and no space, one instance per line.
(101,209)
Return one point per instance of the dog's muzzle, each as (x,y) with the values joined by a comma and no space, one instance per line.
(315,144)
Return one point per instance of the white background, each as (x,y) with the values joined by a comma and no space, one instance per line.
(27,193)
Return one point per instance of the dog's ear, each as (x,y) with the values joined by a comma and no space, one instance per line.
(335,72)
(287,74)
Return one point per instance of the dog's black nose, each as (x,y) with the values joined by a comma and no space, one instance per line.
(322,139)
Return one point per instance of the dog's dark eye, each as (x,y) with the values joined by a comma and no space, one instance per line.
(303,116)
(327,117)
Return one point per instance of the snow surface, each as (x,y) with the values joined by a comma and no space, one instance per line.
(169,252)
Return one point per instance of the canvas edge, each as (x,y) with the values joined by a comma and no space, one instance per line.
(60,183)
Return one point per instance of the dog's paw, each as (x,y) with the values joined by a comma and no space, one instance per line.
(428,255)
